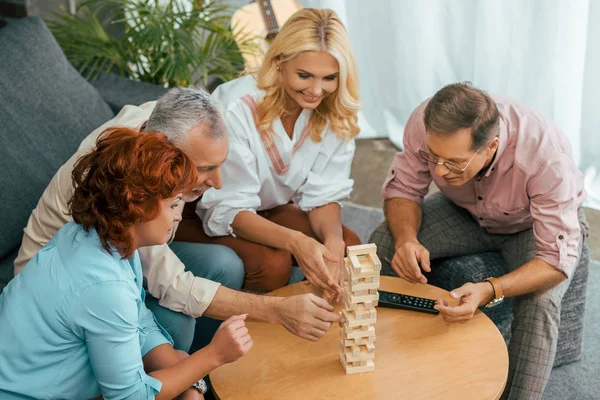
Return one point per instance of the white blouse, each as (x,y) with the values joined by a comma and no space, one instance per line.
(263,172)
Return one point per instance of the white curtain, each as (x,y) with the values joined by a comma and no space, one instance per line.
(542,52)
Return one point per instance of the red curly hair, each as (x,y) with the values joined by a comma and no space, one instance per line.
(123,181)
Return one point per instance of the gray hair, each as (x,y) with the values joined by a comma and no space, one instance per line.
(180,109)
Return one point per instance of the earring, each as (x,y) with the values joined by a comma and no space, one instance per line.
(278,69)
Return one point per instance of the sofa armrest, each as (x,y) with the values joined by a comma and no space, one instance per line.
(118,91)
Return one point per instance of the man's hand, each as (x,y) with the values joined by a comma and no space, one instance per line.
(231,341)
(307,316)
(471,295)
(406,262)
(313,258)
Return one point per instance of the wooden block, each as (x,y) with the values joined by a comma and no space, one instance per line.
(368,340)
(365,340)
(362,312)
(360,292)
(355,266)
(355,277)
(351,359)
(367,299)
(370,347)
(375,261)
(373,277)
(355,350)
(359,266)
(348,306)
(368,286)
(350,333)
(350,369)
(364,273)
(363,363)
(372,291)
(361,279)
(370,248)
(352,321)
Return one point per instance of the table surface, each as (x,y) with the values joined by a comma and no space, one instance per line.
(417,356)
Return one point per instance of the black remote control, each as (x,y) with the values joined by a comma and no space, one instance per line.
(403,301)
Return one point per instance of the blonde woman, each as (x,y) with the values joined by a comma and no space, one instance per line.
(292,127)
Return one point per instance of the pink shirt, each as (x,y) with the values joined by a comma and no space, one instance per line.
(532,182)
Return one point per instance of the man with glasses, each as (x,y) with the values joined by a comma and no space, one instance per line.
(507,183)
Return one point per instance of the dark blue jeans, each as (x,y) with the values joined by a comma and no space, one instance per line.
(215,262)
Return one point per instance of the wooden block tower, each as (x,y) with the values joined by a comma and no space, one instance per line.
(360,296)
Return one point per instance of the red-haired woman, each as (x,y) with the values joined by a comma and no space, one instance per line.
(73,323)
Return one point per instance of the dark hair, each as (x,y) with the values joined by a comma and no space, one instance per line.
(460,105)
(123,180)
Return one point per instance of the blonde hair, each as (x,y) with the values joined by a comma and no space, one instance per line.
(312,29)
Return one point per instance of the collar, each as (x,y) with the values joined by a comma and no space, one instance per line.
(503,143)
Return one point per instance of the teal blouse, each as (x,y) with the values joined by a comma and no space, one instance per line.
(73,324)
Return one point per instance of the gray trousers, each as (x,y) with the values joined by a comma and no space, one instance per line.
(448,230)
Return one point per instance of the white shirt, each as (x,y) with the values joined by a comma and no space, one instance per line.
(167,279)
(260,174)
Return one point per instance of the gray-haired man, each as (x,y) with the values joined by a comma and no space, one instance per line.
(183,278)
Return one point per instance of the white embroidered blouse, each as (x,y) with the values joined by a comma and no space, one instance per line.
(265,171)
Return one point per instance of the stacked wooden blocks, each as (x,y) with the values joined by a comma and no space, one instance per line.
(360,296)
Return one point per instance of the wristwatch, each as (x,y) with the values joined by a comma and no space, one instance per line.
(201,386)
(498,294)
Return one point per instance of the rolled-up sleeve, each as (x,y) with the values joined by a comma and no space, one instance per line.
(107,317)
(409,176)
(175,288)
(554,192)
(241,189)
(329,179)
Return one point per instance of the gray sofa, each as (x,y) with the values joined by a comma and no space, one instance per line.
(449,274)
(46,109)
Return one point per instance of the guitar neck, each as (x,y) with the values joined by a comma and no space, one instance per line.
(269,17)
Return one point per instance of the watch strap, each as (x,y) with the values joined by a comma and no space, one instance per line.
(498,292)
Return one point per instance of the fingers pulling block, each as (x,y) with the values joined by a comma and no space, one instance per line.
(360,296)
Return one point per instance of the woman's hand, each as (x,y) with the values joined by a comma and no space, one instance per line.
(314,258)
(231,341)
(336,268)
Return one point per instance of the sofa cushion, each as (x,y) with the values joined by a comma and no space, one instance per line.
(6,269)
(47,108)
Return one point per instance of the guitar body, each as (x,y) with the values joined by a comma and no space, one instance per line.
(249,21)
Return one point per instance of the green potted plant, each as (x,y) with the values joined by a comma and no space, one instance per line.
(164,42)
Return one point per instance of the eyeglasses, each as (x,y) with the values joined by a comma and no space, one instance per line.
(451,167)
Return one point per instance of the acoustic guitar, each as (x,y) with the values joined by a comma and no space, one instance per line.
(261,20)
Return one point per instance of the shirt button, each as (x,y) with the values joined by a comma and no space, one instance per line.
(479,198)
(560,237)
